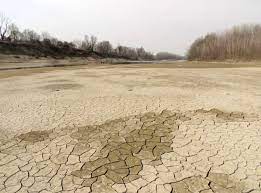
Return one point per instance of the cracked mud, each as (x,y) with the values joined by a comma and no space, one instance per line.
(193,151)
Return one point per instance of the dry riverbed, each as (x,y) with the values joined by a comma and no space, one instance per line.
(178,127)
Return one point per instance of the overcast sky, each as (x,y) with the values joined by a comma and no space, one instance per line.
(157,25)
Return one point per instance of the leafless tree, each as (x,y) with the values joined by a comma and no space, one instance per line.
(133,53)
(4,26)
(85,44)
(47,38)
(104,48)
(10,31)
(168,56)
(89,43)
(30,35)
(54,41)
(93,42)
(77,43)
(14,32)
(126,52)
(240,42)
(141,52)
(45,35)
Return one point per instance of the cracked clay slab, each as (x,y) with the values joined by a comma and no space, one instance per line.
(206,151)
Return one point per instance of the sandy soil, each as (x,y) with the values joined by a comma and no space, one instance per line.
(46,107)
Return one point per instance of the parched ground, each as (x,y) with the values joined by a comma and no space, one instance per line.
(131,128)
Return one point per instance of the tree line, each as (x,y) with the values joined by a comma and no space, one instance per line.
(239,43)
(9,32)
(168,56)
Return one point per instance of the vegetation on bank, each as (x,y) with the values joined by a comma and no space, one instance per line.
(239,43)
(168,56)
(29,42)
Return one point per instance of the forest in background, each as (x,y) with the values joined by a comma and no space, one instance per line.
(239,43)
(29,42)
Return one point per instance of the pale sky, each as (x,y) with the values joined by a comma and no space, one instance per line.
(157,25)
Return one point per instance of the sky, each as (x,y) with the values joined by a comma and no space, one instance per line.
(157,25)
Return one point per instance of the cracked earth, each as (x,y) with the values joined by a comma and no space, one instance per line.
(206,147)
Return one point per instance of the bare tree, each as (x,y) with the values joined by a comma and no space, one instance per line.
(45,36)
(30,35)
(133,53)
(10,31)
(104,48)
(54,41)
(89,43)
(168,56)
(4,26)
(85,44)
(77,43)
(14,32)
(93,42)
(240,42)
(144,55)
